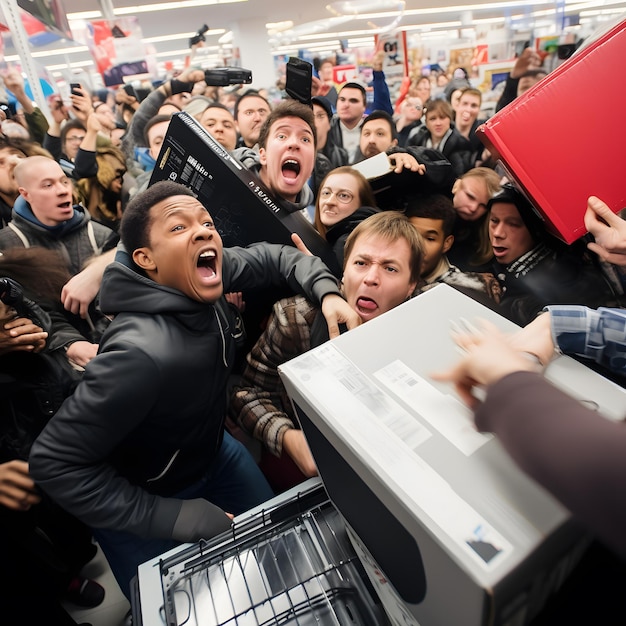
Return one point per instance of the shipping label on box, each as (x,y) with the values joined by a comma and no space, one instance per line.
(442,509)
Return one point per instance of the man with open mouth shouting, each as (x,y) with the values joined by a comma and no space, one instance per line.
(286,155)
(139,451)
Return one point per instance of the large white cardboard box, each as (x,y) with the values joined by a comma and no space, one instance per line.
(451,532)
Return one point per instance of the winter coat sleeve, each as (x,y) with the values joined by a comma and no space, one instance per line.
(85,165)
(53,145)
(148,109)
(575,453)
(509,93)
(62,333)
(265,265)
(382,99)
(37,125)
(69,459)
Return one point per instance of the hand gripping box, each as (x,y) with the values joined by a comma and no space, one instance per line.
(243,210)
(561,141)
(448,528)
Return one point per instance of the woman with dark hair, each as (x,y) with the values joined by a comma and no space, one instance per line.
(344,200)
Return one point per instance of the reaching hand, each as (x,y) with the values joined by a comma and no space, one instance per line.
(609,231)
(298,243)
(236,299)
(318,87)
(94,123)
(20,334)
(378,61)
(528,60)
(405,161)
(81,352)
(78,293)
(191,75)
(59,112)
(17,488)
(81,104)
(535,339)
(13,81)
(337,311)
(488,358)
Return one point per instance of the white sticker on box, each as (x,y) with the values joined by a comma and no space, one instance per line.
(373,403)
(359,413)
(442,411)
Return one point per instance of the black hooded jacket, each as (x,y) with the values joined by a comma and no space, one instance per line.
(147,418)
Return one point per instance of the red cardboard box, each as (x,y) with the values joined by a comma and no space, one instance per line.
(563,140)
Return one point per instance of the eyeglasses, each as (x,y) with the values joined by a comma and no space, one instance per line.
(75,138)
(342,195)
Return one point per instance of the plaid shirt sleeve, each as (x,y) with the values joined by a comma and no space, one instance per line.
(596,334)
(260,404)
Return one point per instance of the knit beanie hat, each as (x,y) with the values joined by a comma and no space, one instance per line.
(509,194)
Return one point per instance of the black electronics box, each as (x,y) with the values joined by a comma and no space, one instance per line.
(243,210)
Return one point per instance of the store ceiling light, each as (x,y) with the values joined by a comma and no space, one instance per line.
(149,8)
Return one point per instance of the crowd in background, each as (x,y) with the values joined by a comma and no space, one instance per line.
(66,180)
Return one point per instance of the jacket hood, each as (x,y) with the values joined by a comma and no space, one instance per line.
(250,159)
(144,159)
(24,210)
(126,289)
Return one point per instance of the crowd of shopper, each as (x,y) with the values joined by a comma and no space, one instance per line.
(133,324)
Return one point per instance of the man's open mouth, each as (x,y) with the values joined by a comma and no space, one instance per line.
(206,264)
(290,168)
(64,205)
(367,304)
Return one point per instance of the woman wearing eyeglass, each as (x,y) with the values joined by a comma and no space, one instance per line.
(344,200)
